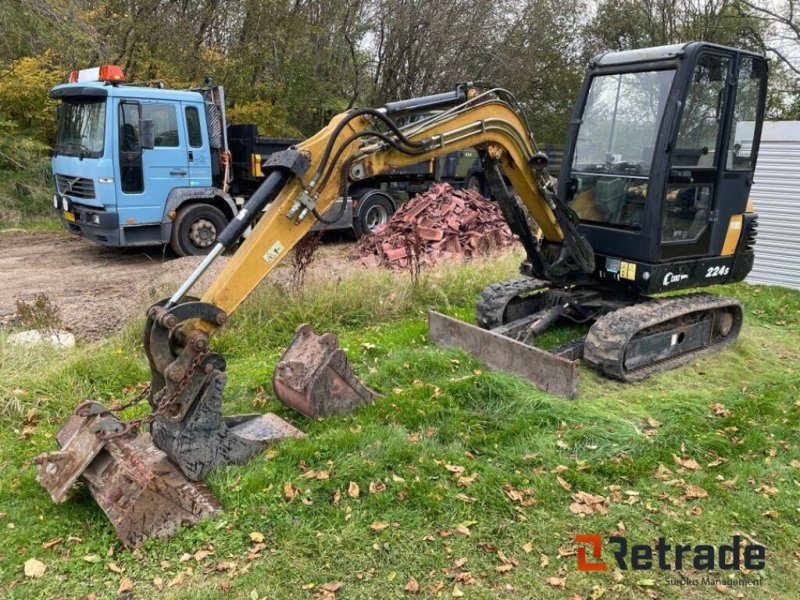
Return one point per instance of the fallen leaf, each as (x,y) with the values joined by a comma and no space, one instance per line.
(527,547)
(457,593)
(544,561)
(562,444)
(463,530)
(91,558)
(203,554)
(686,463)
(114,567)
(34,568)
(256,537)
(51,543)
(332,587)
(585,503)
(289,491)
(337,496)
(465,498)
(376,487)
(693,492)
(504,568)
(378,526)
(559,582)
(353,490)
(125,585)
(457,469)
(412,586)
(563,483)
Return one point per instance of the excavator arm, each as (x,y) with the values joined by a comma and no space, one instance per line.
(302,183)
(305,181)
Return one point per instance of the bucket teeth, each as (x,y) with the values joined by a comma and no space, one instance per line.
(314,377)
(141,492)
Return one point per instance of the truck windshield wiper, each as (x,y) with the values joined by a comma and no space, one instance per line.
(82,150)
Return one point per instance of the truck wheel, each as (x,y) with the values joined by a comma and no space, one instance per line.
(373,211)
(196,228)
(476,184)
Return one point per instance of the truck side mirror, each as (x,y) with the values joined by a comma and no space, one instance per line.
(147,133)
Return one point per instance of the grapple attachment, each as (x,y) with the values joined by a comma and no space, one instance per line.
(140,490)
(314,377)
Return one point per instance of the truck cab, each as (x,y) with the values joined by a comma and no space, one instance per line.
(136,166)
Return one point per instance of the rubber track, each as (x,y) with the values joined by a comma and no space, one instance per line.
(608,338)
(494,298)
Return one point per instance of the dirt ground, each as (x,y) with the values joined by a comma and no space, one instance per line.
(98,289)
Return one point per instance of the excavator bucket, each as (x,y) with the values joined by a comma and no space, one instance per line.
(547,371)
(142,493)
(314,377)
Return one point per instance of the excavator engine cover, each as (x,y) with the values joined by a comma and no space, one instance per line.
(314,377)
(142,493)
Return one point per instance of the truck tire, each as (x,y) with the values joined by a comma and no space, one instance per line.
(195,229)
(476,183)
(374,209)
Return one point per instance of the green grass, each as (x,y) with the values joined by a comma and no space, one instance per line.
(26,198)
(438,407)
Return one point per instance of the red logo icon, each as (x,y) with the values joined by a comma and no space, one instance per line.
(597,553)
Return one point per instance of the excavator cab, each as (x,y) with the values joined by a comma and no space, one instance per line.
(659,162)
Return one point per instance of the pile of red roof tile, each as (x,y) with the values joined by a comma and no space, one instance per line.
(443,223)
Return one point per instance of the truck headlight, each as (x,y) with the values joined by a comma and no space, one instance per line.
(55,201)
(64,203)
(95,219)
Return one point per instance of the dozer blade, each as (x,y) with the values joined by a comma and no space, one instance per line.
(546,371)
(139,489)
(314,378)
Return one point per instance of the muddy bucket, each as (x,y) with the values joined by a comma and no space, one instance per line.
(314,377)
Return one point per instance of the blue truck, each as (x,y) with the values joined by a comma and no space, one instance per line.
(136,165)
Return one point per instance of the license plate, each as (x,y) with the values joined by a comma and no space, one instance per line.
(69,216)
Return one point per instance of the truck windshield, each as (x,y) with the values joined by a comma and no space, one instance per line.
(81,127)
(614,149)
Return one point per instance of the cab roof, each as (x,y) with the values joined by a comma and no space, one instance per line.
(659,53)
(101,89)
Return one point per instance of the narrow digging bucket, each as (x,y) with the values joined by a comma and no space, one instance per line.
(314,377)
(141,492)
(546,371)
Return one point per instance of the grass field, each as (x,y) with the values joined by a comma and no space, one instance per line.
(456,482)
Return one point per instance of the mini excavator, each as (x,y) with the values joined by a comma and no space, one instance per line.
(652,197)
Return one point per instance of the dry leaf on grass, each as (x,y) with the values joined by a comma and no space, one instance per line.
(378,526)
(686,463)
(256,537)
(559,582)
(353,490)
(34,568)
(693,492)
(412,586)
(125,585)
(563,483)
(586,504)
(114,567)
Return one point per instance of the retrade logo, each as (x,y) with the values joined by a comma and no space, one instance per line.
(597,553)
(667,557)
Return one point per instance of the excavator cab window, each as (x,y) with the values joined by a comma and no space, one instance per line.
(614,150)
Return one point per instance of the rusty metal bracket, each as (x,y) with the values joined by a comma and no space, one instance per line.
(139,489)
(314,377)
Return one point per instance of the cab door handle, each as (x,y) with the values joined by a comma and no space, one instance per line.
(177,172)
